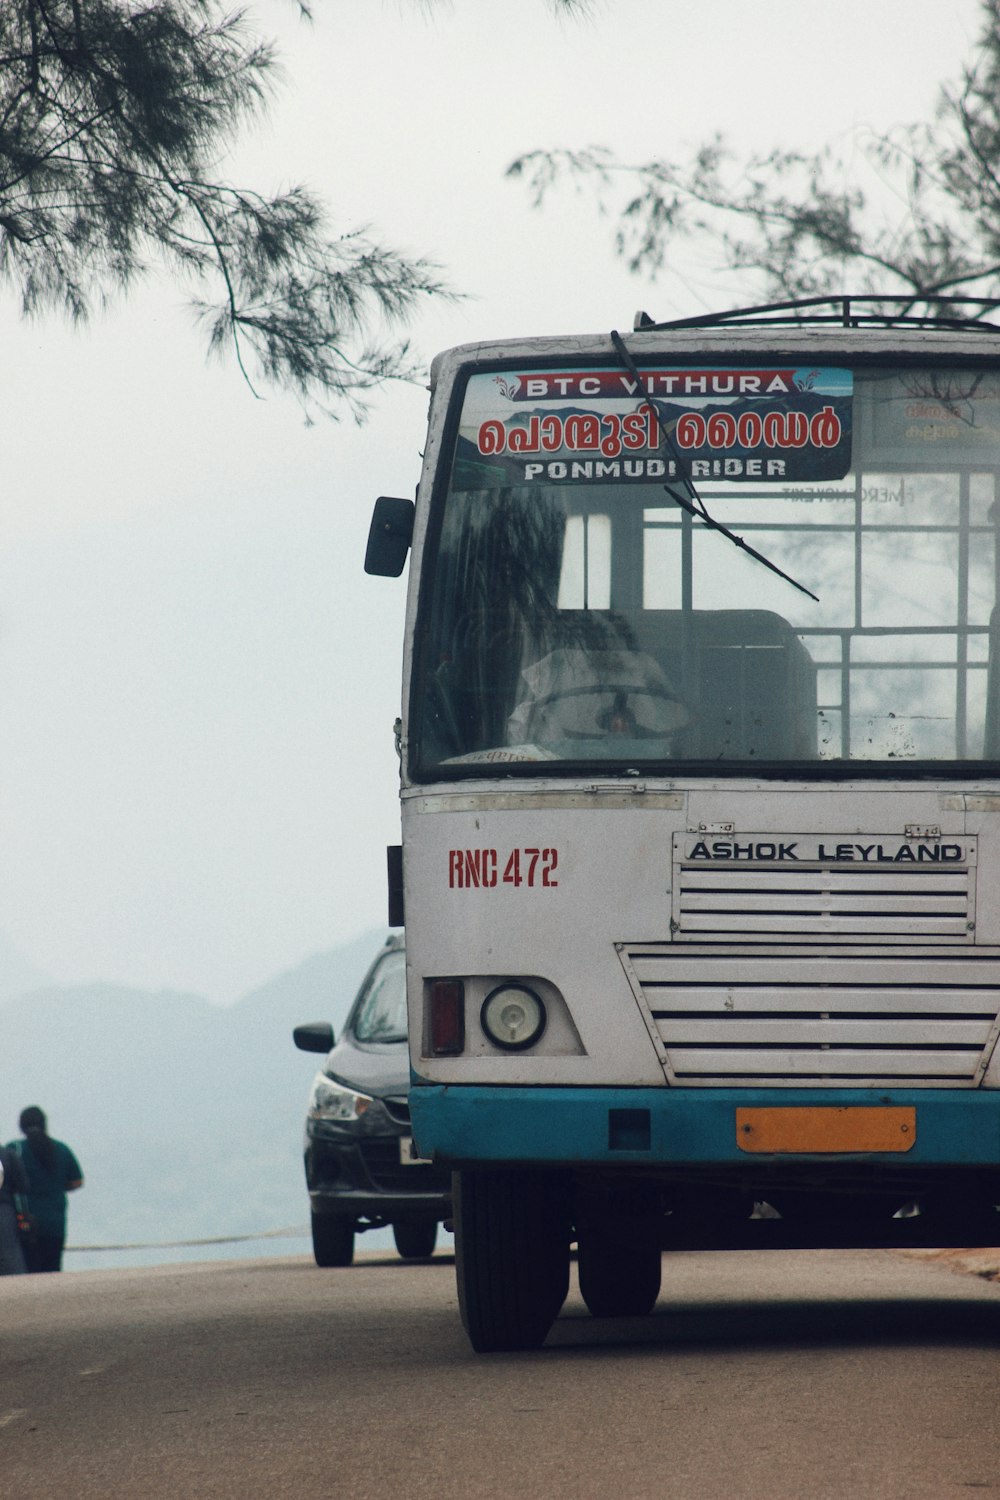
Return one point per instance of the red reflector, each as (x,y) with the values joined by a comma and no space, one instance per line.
(447,1017)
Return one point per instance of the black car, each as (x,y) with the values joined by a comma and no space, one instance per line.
(361,1169)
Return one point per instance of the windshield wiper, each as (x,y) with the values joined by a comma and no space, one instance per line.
(692,502)
(696,507)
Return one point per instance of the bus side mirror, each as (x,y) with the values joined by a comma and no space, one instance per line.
(389,536)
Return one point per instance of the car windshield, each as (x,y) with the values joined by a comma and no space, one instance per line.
(590,601)
(380,1014)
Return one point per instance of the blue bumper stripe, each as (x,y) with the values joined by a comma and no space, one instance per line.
(604,1126)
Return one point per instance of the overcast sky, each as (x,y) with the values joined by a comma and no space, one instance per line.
(197,680)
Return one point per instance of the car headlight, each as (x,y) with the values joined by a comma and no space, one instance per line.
(513,1017)
(332,1101)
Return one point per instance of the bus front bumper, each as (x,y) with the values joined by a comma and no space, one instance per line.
(749,1132)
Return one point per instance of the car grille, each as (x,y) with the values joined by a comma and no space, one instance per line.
(381,1159)
(839,1016)
(398,1109)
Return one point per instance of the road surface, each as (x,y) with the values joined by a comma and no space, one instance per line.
(783,1376)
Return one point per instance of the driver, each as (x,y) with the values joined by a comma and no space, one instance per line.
(575,693)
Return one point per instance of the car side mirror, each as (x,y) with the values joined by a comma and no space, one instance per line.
(389,536)
(315,1036)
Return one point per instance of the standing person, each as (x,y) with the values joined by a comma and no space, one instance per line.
(52,1171)
(13,1179)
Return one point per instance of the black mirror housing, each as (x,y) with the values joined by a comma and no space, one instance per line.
(315,1036)
(389,536)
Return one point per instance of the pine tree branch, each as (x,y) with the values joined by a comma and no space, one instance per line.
(112,115)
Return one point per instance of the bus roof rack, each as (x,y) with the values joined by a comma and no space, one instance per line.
(845,311)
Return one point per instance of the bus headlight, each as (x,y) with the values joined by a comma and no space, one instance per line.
(513,1017)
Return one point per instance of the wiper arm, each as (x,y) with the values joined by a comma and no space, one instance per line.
(698,510)
(693,503)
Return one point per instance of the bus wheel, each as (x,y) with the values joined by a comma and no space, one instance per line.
(511,1256)
(333,1239)
(415,1238)
(619,1270)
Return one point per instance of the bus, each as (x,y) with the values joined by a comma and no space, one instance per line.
(700,795)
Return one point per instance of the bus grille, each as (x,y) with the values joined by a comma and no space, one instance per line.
(844,1017)
(883,905)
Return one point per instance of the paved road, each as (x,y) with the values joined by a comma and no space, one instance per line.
(780,1376)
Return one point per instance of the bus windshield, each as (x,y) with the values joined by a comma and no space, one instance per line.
(586,601)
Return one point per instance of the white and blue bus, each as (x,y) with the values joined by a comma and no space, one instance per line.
(700,755)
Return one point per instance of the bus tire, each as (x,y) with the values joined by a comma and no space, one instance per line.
(333,1239)
(415,1238)
(511,1256)
(619,1268)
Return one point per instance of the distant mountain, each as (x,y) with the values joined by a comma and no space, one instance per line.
(187,1117)
(307,992)
(17,974)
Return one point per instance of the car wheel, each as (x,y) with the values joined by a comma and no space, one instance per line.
(619,1267)
(333,1239)
(511,1256)
(415,1238)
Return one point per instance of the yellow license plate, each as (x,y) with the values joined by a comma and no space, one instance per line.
(804,1128)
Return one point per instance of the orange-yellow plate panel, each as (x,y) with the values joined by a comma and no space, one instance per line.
(808,1128)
